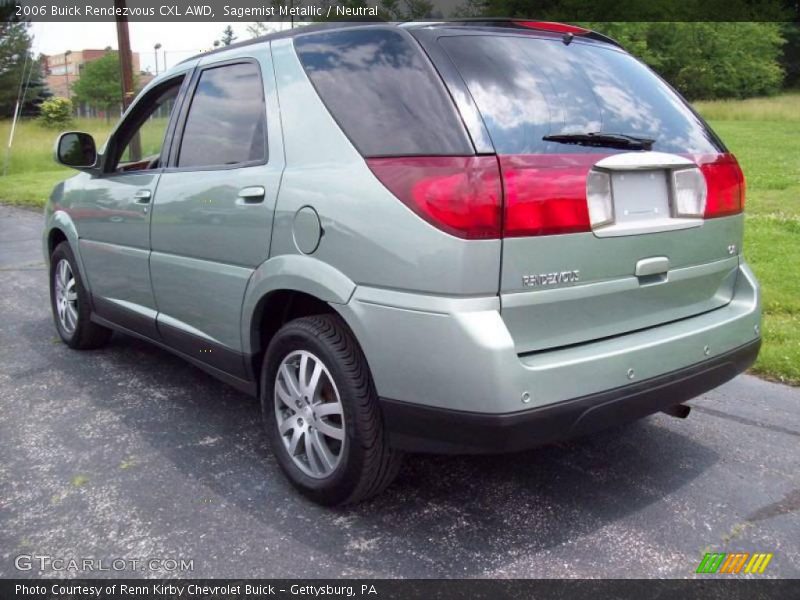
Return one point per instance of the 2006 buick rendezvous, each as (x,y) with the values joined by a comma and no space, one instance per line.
(448,237)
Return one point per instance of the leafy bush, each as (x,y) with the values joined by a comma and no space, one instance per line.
(56,112)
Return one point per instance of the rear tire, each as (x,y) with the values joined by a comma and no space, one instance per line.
(69,302)
(321,413)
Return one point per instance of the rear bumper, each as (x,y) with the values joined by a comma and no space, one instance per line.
(437,359)
(419,428)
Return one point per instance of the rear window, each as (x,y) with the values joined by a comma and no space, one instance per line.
(527,88)
(383,92)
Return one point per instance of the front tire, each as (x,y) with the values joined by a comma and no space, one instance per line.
(69,302)
(321,413)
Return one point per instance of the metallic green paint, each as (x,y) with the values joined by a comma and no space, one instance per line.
(440,322)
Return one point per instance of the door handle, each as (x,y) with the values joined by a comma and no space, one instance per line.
(252,195)
(658,265)
(142,196)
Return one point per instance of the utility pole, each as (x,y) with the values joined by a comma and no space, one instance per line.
(66,71)
(155,48)
(125,62)
(126,70)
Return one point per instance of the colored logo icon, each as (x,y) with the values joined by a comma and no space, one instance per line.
(733,563)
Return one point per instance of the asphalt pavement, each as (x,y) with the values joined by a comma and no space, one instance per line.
(129,453)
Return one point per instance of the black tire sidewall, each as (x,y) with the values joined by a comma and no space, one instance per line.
(337,487)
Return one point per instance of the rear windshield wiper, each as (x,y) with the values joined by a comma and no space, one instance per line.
(606,140)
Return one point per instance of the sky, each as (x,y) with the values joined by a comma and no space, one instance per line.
(179,40)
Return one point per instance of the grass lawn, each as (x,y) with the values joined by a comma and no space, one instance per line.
(768,148)
(764,133)
(32,172)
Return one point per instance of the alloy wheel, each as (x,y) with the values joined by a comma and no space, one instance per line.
(66,296)
(309,414)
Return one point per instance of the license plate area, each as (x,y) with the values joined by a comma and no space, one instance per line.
(641,191)
(640,196)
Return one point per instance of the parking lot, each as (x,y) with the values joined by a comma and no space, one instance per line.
(130,453)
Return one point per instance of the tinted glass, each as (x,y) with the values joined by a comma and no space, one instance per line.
(227,119)
(527,88)
(383,92)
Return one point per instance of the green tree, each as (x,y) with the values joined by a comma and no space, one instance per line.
(17,65)
(100,85)
(258,28)
(388,10)
(38,91)
(614,10)
(790,59)
(228,36)
(405,10)
(705,60)
(701,59)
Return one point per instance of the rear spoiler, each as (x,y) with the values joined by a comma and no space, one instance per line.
(549,26)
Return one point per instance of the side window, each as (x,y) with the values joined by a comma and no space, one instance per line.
(226,124)
(383,93)
(140,141)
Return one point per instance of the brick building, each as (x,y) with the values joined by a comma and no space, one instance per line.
(63,70)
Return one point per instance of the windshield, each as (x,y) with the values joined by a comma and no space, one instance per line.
(528,88)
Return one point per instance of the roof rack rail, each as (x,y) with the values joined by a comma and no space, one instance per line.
(551,26)
(290,33)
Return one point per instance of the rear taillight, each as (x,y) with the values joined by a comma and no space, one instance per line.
(461,195)
(487,197)
(725,183)
(545,194)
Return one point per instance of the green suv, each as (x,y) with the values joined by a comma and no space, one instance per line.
(434,237)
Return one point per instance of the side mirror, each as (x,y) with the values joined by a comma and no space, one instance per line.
(76,149)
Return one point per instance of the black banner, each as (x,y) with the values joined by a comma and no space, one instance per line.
(349,10)
(572,589)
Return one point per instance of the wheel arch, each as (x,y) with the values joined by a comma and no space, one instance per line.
(284,288)
(54,238)
(59,228)
(278,307)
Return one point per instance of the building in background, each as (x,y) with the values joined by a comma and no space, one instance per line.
(63,70)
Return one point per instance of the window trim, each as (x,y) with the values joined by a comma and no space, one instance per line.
(183,117)
(113,153)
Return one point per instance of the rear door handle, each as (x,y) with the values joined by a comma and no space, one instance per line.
(252,195)
(142,196)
